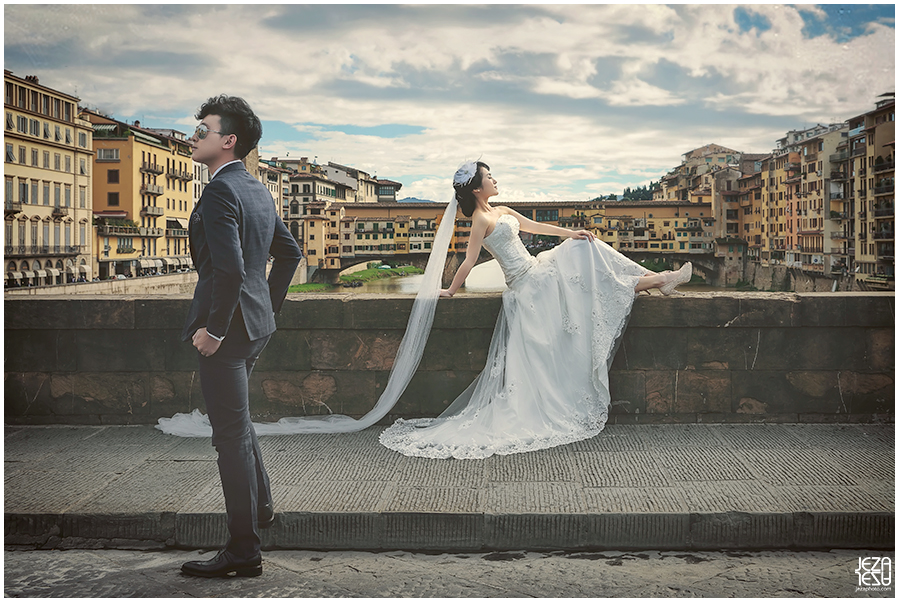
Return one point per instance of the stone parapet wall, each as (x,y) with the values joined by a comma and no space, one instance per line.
(733,357)
(164,284)
(179,283)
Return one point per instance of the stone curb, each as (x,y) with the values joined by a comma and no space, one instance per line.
(466,532)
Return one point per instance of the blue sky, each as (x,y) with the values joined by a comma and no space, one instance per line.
(563,101)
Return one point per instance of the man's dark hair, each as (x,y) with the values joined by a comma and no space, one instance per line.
(237,118)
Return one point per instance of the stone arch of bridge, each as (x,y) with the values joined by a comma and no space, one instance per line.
(705,265)
(419,260)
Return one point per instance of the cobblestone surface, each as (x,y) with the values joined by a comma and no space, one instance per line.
(120,573)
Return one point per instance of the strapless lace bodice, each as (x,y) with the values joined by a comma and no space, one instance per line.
(505,245)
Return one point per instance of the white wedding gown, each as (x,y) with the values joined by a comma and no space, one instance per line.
(546,379)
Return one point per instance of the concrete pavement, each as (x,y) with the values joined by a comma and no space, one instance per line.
(633,487)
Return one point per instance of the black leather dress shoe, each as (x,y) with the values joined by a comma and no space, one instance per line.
(222,565)
(265,516)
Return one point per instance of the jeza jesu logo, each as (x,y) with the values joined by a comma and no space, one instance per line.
(874,571)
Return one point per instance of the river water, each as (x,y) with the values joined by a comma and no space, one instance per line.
(484,278)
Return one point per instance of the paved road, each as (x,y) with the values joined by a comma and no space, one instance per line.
(117,573)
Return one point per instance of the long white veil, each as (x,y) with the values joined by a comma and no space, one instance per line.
(196,424)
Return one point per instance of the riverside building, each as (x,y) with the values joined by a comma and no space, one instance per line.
(660,226)
(335,232)
(363,186)
(143,197)
(870,188)
(277,180)
(48,185)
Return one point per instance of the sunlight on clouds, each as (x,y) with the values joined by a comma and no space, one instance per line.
(562,88)
(637,93)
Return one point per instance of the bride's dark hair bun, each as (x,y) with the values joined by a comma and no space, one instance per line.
(464,196)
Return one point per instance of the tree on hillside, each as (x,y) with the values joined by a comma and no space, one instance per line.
(642,193)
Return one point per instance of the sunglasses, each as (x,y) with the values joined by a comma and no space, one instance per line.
(202,131)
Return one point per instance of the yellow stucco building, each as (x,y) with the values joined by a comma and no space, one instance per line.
(48,185)
(143,197)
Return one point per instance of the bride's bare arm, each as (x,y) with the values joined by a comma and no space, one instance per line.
(547,229)
(476,236)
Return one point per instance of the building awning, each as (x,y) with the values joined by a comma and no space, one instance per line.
(41,273)
(157,263)
(145,138)
(143,263)
(53,271)
(85,269)
(104,127)
(169,261)
(28,274)
(14,275)
(176,223)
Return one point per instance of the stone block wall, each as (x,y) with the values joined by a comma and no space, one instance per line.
(704,357)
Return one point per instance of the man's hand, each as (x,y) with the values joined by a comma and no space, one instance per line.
(205,344)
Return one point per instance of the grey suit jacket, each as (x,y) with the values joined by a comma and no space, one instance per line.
(233,230)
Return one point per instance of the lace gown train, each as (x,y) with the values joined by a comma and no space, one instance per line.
(545,382)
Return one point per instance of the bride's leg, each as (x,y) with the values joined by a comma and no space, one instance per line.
(650,281)
(660,279)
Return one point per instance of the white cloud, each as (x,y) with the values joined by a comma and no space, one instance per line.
(637,93)
(620,89)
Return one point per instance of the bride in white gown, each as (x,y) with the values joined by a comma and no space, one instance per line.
(545,382)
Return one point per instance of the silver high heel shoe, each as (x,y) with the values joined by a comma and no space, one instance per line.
(679,277)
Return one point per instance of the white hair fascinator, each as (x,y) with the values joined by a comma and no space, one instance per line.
(465,173)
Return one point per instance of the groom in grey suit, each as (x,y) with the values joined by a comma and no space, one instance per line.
(233,230)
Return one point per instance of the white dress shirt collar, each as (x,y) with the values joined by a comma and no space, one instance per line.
(223,165)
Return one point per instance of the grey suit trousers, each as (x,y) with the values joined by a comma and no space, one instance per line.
(224,380)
